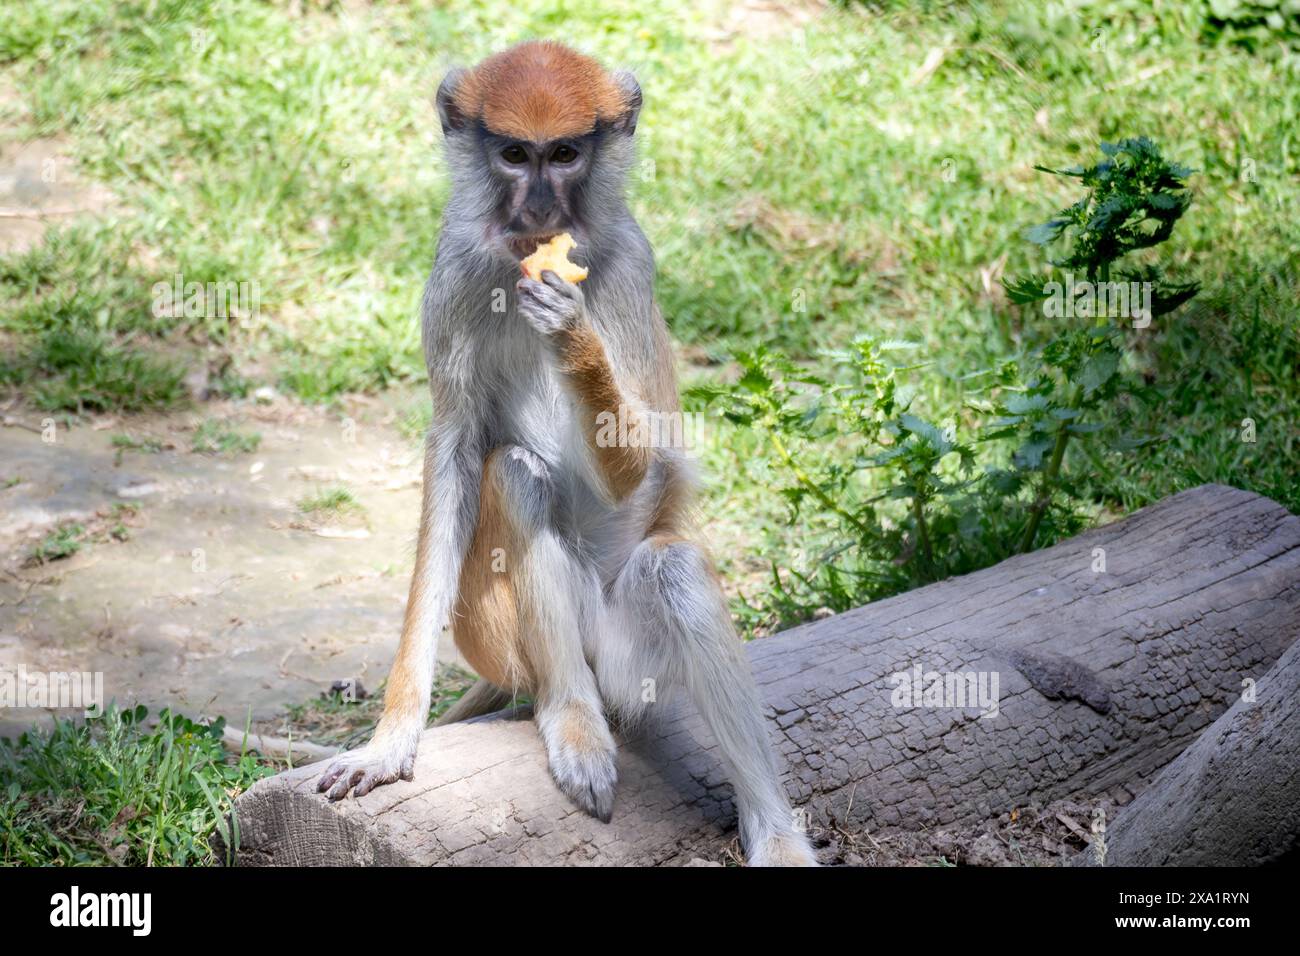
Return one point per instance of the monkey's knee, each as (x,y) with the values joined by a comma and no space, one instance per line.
(522,482)
(674,578)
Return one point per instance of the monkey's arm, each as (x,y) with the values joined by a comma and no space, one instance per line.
(613,422)
(453,466)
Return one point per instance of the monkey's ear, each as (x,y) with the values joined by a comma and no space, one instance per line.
(449,114)
(626,123)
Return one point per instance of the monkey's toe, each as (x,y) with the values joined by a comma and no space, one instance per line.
(781,849)
(581,754)
(594,796)
(360,771)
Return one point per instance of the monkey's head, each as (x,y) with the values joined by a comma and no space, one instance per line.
(540,140)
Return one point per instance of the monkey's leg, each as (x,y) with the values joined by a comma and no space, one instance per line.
(669,586)
(448,511)
(552,592)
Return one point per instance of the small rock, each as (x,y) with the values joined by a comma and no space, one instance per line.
(142,490)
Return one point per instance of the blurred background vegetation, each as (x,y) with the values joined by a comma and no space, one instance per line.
(810,174)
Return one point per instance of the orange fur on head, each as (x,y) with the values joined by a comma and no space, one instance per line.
(539,91)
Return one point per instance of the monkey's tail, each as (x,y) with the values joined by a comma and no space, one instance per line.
(482,698)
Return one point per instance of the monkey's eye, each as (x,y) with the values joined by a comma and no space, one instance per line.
(563,154)
(514,154)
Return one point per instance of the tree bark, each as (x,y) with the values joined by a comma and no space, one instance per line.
(1230,799)
(1104,676)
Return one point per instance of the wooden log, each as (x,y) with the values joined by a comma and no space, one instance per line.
(1104,676)
(1230,799)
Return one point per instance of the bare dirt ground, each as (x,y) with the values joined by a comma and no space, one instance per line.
(210,591)
(39,185)
(1029,836)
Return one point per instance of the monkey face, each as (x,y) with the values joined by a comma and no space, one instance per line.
(540,186)
(539,138)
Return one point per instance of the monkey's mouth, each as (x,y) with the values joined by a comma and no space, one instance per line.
(524,246)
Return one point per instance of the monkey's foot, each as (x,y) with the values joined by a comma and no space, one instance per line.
(581,752)
(365,768)
(784,848)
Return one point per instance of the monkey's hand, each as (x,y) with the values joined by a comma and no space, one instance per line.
(551,306)
(365,768)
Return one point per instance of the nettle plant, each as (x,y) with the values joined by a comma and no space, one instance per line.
(1134,198)
(890,498)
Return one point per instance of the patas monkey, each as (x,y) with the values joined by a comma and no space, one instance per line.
(560,561)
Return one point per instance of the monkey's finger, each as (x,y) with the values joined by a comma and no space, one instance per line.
(327,779)
(340,789)
(369,781)
(533,289)
(561,285)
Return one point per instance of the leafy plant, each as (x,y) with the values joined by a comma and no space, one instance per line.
(113,790)
(904,498)
(1134,199)
(894,495)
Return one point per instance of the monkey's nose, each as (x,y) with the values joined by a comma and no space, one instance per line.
(534,217)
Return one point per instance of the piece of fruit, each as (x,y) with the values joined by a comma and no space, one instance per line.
(554,255)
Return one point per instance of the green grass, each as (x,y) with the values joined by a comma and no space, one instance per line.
(114,791)
(118,790)
(348,720)
(63,542)
(79,370)
(214,437)
(151,446)
(330,503)
(800,186)
(69,537)
(123,443)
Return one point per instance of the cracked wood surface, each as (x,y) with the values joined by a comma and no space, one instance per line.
(1104,679)
(1230,799)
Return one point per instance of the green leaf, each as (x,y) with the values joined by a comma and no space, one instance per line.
(1046,233)
(1020,403)
(755,379)
(930,433)
(1025,290)
(1098,370)
(1030,454)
